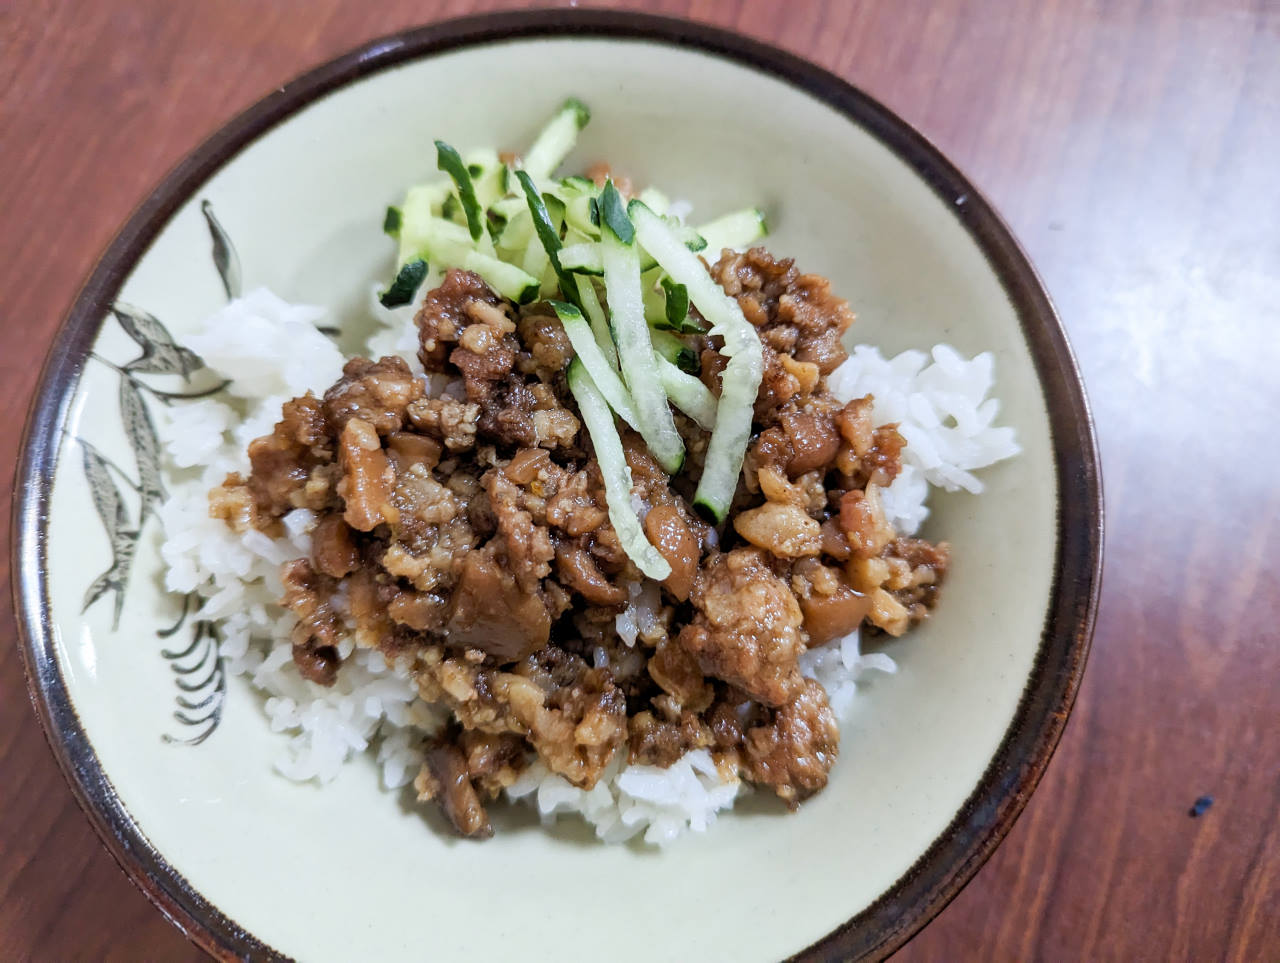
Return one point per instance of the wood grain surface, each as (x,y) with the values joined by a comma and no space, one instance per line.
(1135,148)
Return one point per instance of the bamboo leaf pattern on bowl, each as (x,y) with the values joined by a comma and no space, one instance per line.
(141,432)
(110,506)
(225,258)
(160,355)
(199,675)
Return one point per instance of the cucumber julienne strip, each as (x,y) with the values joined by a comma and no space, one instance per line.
(577,214)
(555,209)
(635,350)
(450,161)
(577,184)
(416,211)
(584,258)
(391,222)
(688,394)
(485,169)
(554,142)
(676,351)
(590,302)
(677,305)
(447,245)
(578,290)
(740,382)
(655,199)
(408,279)
(535,262)
(613,212)
(507,279)
(617,475)
(735,230)
(602,372)
(547,235)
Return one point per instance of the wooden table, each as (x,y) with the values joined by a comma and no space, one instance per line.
(1134,146)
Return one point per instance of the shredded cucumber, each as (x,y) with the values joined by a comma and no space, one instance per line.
(583,258)
(577,214)
(655,299)
(406,284)
(676,308)
(507,279)
(527,233)
(535,261)
(688,394)
(420,206)
(617,474)
(737,230)
(508,208)
(555,141)
(447,245)
(613,214)
(450,161)
(590,302)
(655,200)
(515,234)
(546,231)
(576,184)
(631,333)
(586,257)
(740,382)
(602,372)
(487,175)
(675,351)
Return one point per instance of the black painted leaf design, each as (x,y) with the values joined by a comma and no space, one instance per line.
(124,546)
(105,494)
(225,258)
(160,354)
(188,600)
(202,684)
(146,448)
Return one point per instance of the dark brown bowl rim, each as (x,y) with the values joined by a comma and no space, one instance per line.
(1015,769)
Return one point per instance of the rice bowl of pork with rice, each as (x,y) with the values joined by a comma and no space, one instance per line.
(540,499)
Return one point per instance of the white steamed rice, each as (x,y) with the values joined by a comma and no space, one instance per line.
(273,352)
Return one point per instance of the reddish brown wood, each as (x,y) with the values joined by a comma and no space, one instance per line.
(1133,146)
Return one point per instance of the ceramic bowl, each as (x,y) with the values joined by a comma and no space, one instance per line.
(937,761)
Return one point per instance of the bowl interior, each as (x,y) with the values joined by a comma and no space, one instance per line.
(353,871)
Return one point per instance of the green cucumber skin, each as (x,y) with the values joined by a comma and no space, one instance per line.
(450,161)
(405,286)
(547,236)
(613,212)
(577,184)
(677,303)
(581,112)
(392,221)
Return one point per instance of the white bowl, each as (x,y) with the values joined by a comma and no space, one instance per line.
(937,761)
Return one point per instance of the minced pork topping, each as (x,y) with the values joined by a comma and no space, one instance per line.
(468,533)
